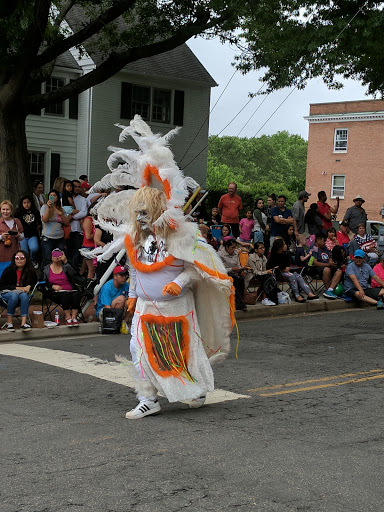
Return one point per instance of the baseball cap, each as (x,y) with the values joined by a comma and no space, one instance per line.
(303,193)
(344,223)
(57,253)
(359,253)
(120,270)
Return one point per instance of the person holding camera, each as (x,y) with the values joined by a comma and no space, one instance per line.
(54,219)
(11,233)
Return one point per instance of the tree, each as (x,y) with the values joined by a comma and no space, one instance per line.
(298,40)
(34,33)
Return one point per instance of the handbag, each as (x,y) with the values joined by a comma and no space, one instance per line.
(112,319)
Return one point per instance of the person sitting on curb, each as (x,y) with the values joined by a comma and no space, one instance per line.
(326,267)
(114,293)
(234,269)
(356,282)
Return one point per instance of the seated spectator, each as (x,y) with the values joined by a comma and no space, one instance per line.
(302,254)
(53,218)
(234,269)
(215,218)
(343,235)
(340,257)
(15,284)
(280,258)
(364,242)
(331,240)
(114,293)
(258,266)
(325,267)
(59,278)
(11,233)
(313,221)
(378,269)
(356,282)
(246,227)
(207,235)
(30,219)
(290,240)
(225,234)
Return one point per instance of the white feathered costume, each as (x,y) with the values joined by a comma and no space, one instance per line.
(174,339)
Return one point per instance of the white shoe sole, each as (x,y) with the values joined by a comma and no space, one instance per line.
(131,415)
(198,402)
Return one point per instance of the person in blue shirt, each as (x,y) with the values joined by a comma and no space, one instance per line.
(281,217)
(357,279)
(113,293)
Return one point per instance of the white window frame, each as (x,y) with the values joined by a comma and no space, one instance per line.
(63,103)
(343,141)
(337,190)
(163,117)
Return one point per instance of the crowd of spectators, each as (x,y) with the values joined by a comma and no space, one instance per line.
(272,244)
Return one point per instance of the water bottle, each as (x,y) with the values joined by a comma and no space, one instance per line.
(57,318)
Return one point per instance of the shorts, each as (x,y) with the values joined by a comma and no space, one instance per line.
(373,293)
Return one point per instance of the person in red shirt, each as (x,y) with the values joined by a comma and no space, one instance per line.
(342,235)
(325,210)
(229,206)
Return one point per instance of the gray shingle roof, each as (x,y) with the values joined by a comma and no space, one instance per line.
(67,60)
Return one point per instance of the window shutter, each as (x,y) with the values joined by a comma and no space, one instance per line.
(178,108)
(73,106)
(55,167)
(126,101)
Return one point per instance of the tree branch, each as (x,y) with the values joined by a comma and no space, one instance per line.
(64,11)
(85,33)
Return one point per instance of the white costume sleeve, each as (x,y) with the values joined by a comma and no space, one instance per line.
(186,278)
(132,283)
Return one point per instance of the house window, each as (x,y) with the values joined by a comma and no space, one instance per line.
(338,186)
(57,109)
(152,104)
(36,165)
(341,140)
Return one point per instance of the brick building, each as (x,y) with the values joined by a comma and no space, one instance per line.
(345,153)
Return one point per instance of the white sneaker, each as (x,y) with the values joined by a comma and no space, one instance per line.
(268,302)
(197,402)
(144,408)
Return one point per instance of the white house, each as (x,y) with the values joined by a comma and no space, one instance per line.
(167,90)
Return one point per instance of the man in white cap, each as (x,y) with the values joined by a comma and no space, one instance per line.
(356,214)
(298,212)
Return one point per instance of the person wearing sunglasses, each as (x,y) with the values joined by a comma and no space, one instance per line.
(15,284)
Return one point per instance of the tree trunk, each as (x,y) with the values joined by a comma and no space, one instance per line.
(15,178)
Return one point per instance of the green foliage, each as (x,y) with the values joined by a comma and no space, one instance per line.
(259,166)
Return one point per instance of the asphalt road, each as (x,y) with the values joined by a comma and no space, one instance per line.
(311,441)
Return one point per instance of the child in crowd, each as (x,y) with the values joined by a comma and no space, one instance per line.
(247,225)
(302,255)
(331,241)
(207,235)
(290,239)
(225,234)
(67,198)
(215,219)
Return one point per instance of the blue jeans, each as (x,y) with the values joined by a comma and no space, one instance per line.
(14,299)
(47,246)
(31,246)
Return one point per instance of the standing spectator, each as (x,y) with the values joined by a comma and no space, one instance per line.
(313,221)
(15,284)
(76,235)
(326,267)
(200,214)
(342,235)
(53,218)
(229,206)
(101,239)
(59,278)
(260,219)
(246,227)
(38,194)
(281,217)
(271,203)
(113,293)
(298,213)
(58,185)
(30,219)
(89,245)
(356,282)
(11,233)
(356,214)
(325,211)
(84,182)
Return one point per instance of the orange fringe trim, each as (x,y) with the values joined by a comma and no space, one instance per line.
(217,274)
(153,356)
(142,267)
(150,171)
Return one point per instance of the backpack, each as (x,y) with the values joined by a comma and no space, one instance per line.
(112,319)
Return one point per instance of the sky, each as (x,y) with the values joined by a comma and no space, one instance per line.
(217,59)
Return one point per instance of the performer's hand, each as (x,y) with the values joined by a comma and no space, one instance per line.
(172,289)
(131,305)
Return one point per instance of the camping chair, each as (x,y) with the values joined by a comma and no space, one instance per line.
(49,305)
(4,305)
(216,231)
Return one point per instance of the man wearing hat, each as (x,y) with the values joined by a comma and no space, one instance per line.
(356,214)
(113,293)
(342,235)
(298,212)
(356,282)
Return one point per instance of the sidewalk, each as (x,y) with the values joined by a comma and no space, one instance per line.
(259,311)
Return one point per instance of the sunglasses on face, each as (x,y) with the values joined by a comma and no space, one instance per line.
(19,257)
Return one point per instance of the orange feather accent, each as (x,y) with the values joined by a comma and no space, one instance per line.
(149,172)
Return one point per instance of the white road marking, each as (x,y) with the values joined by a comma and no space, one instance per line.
(119,373)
